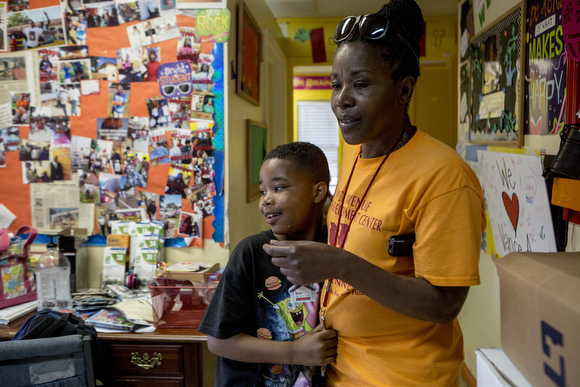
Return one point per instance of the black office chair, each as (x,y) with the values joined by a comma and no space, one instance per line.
(64,361)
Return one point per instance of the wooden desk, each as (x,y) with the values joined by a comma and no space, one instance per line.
(129,357)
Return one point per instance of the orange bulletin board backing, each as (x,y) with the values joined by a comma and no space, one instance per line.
(15,195)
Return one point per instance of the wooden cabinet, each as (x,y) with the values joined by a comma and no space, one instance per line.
(129,363)
(165,357)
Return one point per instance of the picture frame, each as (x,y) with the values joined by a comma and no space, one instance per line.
(199,4)
(256,150)
(249,56)
(497,82)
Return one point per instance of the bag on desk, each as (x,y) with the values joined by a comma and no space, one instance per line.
(50,323)
(18,284)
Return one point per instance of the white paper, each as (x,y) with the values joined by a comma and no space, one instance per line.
(517,199)
(6,217)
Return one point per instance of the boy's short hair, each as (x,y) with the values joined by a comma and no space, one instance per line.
(308,159)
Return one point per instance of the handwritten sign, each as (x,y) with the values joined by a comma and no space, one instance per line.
(517,200)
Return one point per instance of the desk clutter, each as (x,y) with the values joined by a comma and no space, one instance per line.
(138,291)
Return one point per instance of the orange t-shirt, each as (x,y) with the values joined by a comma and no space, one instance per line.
(423,188)
(22,105)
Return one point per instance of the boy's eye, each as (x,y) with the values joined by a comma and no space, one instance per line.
(279,188)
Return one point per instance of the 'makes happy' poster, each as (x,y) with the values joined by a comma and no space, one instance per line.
(517,201)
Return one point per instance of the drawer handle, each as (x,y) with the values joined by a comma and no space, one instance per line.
(146,362)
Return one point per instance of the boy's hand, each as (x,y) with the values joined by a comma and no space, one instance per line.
(316,348)
(303,262)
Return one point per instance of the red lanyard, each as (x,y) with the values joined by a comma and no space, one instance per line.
(341,243)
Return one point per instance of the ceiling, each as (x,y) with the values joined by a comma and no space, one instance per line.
(343,8)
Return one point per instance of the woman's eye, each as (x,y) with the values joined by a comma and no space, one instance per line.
(360,85)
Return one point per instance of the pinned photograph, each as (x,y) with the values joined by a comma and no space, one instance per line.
(131,64)
(34,150)
(169,213)
(10,138)
(153,55)
(158,152)
(90,155)
(188,47)
(73,71)
(190,225)
(18,5)
(138,134)
(61,218)
(73,52)
(118,102)
(89,191)
(202,78)
(47,65)
(21,109)
(36,28)
(104,68)
(3,28)
(35,172)
(101,14)
(59,128)
(150,202)
(59,99)
(136,167)
(178,180)
(60,163)
(12,69)
(179,111)
(202,105)
(180,151)
(112,129)
(158,109)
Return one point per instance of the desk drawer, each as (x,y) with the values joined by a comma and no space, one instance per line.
(146,359)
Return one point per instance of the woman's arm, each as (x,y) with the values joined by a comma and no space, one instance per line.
(315,348)
(307,262)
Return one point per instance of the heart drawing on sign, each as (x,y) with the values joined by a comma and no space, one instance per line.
(512,206)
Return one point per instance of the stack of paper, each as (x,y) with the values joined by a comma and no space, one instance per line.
(7,315)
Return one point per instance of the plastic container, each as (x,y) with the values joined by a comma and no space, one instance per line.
(181,299)
(53,280)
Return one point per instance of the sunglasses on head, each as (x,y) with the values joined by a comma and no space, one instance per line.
(372,27)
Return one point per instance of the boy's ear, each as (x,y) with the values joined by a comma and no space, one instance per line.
(321,191)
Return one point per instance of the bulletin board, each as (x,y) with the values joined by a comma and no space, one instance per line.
(192,123)
(496,82)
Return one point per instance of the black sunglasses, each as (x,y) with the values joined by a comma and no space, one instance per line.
(372,27)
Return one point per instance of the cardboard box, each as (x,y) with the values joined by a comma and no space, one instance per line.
(540,315)
(495,369)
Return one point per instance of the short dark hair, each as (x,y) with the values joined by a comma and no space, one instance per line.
(407,15)
(308,159)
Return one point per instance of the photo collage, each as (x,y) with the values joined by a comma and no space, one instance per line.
(113,168)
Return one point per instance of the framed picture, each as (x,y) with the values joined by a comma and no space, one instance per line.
(249,56)
(497,82)
(256,150)
(194,4)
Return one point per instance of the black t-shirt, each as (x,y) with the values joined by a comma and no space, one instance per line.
(253,295)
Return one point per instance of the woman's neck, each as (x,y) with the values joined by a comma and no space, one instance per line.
(403,136)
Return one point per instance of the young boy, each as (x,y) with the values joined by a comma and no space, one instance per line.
(256,315)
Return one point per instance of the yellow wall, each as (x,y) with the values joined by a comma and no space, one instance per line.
(433,107)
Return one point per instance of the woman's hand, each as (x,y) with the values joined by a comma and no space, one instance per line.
(304,262)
